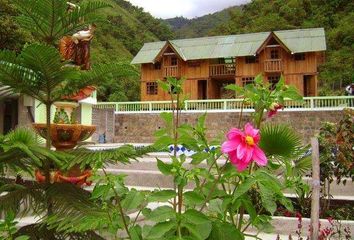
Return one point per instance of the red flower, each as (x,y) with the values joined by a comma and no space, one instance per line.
(273,109)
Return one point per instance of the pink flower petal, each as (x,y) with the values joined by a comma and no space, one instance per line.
(234,133)
(250,130)
(241,150)
(241,166)
(248,155)
(233,158)
(259,157)
(229,146)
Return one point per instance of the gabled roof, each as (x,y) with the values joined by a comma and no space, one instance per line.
(299,40)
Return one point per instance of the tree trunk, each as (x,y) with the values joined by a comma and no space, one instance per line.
(48,108)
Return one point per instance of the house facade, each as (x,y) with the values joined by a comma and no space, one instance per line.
(209,64)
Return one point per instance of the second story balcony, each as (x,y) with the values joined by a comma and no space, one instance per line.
(221,70)
(273,65)
(171,71)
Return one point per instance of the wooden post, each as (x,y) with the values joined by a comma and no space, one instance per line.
(315,203)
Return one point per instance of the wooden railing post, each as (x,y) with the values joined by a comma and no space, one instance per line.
(150,106)
(315,203)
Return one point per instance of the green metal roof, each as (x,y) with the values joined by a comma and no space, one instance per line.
(300,40)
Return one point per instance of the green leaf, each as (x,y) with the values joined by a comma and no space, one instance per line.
(160,229)
(164,168)
(133,200)
(161,195)
(225,231)
(135,232)
(195,217)
(243,187)
(267,198)
(193,198)
(199,157)
(22,238)
(162,214)
(279,140)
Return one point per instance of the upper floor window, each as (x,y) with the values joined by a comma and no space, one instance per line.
(247,80)
(193,63)
(273,80)
(251,59)
(157,66)
(151,88)
(174,61)
(299,56)
(274,54)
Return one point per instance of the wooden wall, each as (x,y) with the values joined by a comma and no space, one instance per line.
(293,71)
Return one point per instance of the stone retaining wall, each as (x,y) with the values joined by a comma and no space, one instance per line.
(140,127)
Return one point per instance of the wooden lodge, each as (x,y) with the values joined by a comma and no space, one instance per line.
(210,63)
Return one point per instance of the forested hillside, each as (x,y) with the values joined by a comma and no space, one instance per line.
(336,16)
(201,26)
(120,34)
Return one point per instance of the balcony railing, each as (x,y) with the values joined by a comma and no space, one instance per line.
(273,65)
(171,71)
(229,105)
(221,70)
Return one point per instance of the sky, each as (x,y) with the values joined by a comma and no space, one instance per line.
(186,8)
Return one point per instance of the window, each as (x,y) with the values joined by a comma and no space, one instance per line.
(247,80)
(193,64)
(273,80)
(157,66)
(251,59)
(174,61)
(299,56)
(151,88)
(274,54)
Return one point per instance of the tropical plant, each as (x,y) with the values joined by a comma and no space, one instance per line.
(209,199)
(50,20)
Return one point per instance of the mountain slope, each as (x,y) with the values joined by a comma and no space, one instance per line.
(201,26)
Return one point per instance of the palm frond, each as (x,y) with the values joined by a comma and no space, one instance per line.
(280,141)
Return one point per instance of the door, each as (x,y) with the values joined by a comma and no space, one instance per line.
(202,89)
(10,115)
(308,85)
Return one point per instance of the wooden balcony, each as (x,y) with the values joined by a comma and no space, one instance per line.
(273,65)
(220,70)
(170,71)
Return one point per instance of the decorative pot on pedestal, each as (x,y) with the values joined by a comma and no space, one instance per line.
(65,134)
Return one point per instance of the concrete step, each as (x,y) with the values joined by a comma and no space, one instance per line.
(144,172)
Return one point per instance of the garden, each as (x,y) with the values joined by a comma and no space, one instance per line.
(231,187)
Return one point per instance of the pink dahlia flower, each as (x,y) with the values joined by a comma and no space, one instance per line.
(242,147)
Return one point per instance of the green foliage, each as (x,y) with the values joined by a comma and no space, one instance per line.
(12,37)
(49,20)
(280,141)
(8,228)
(200,26)
(20,150)
(262,96)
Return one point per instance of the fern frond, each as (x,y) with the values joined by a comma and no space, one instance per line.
(21,199)
(41,231)
(97,159)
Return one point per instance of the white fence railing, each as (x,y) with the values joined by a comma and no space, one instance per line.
(228,105)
